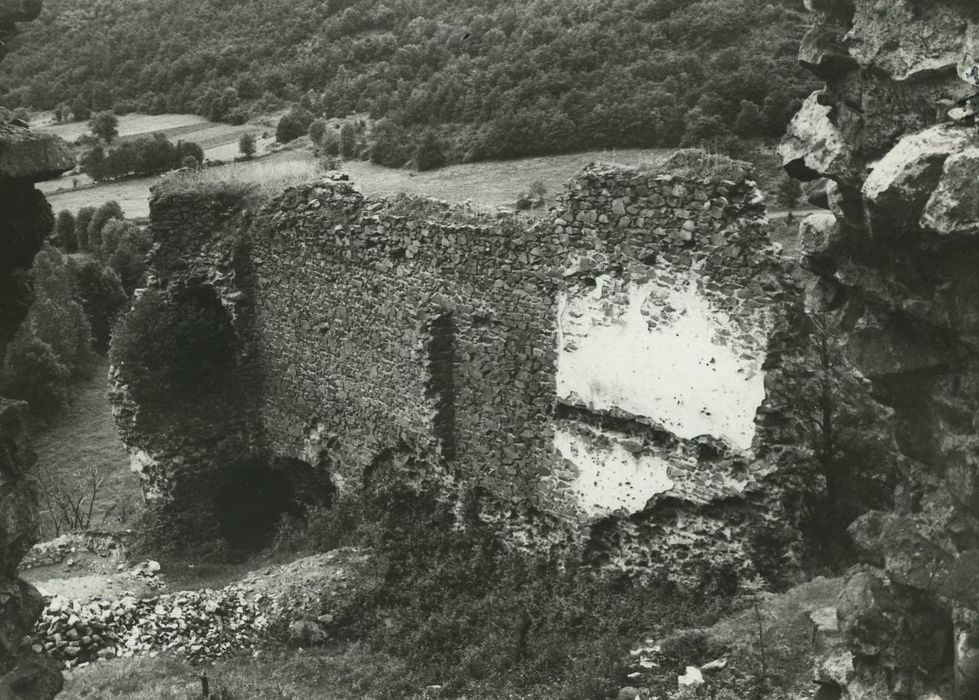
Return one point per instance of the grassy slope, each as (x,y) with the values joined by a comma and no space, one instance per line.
(82,438)
(487,184)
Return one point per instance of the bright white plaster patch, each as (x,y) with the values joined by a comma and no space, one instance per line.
(609,477)
(659,350)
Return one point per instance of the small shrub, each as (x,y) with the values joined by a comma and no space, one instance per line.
(330,142)
(317,130)
(290,127)
(348,140)
(70,505)
(183,345)
(246,144)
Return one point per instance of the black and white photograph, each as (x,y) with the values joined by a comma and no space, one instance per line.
(489,350)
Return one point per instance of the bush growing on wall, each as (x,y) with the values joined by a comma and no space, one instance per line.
(457,604)
(165,345)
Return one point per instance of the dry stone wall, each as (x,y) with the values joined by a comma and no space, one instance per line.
(414,326)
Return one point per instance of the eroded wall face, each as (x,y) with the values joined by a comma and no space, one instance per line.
(663,327)
(597,362)
(459,338)
(421,330)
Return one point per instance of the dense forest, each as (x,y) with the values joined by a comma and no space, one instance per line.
(493,78)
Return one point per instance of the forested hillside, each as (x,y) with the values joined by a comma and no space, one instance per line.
(493,78)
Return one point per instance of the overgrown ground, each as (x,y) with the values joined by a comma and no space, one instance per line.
(747,661)
(78,449)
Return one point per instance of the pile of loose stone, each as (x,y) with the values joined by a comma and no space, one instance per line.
(200,625)
(294,600)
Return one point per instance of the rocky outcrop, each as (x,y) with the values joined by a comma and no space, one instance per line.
(896,264)
(32,157)
(25,158)
(23,673)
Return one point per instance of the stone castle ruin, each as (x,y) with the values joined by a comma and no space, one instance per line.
(607,364)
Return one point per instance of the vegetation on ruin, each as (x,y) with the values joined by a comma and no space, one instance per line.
(487,79)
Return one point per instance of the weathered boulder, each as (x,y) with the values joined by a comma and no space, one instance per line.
(813,146)
(902,182)
(897,625)
(909,40)
(29,156)
(820,235)
(953,208)
(824,53)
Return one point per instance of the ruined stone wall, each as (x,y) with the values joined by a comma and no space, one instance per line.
(407,324)
(894,261)
(536,359)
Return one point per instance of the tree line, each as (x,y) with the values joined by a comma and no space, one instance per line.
(79,285)
(149,155)
(490,78)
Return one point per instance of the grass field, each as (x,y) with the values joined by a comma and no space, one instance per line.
(485,185)
(491,184)
(81,439)
(219,141)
